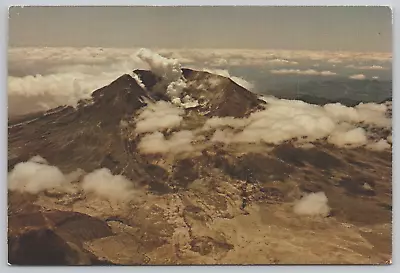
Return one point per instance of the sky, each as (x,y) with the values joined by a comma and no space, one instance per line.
(292,28)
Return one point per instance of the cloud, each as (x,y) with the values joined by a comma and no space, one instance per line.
(189,102)
(43,78)
(310,72)
(68,80)
(169,70)
(232,122)
(285,120)
(224,136)
(354,138)
(218,62)
(281,62)
(178,142)
(245,57)
(48,60)
(104,184)
(357,77)
(370,67)
(313,204)
(335,61)
(35,176)
(158,116)
(368,113)
(380,145)
(65,85)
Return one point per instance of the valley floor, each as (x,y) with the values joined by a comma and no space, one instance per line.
(216,220)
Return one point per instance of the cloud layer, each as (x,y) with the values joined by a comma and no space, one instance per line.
(357,77)
(44,78)
(310,72)
(285,120)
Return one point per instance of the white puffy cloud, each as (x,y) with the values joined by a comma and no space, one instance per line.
(223,136)
(354,138)
(245,57)
(65,85)
(35,175)
(158,116)
(178,142)
(104,184)
(169,70)
(31,57)
(36,93)
(232,122)
(357,77)
(369,113)
(284,120)
(313,204)
(310,72)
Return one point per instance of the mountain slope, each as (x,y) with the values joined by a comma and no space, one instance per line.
(84,137)
(196,201)
(90,137)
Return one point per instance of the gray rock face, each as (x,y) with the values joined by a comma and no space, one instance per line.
(53,238)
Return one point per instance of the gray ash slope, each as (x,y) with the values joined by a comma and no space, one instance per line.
(356,181)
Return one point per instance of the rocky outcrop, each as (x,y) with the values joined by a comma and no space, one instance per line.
(53,238)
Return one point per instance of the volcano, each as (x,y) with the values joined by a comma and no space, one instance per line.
(212,203)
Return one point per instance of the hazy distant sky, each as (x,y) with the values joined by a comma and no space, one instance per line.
(310,28)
